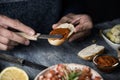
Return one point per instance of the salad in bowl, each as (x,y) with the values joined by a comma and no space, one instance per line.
(112,36)
(68,72)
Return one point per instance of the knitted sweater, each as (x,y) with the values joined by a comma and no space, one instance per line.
(41,14)
(38,14)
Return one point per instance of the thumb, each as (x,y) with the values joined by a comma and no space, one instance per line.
(54,26)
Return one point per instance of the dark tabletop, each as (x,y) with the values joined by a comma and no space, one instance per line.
(42,52)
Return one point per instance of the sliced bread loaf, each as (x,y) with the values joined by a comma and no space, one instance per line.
(89,52)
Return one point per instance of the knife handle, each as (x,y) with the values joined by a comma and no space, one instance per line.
(9,58)
(34,37)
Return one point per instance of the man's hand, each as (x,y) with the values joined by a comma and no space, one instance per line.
(9,39)
(83,25)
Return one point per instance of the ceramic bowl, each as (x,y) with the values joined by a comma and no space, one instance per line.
(71,66)
(112,44)
(106,63)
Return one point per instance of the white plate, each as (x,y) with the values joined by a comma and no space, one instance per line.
(71,66)
(112,44)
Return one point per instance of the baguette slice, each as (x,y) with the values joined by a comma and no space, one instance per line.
(89,52)
(57,42)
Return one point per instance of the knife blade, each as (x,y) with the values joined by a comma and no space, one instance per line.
(20,61)
(56,36)
(39,36)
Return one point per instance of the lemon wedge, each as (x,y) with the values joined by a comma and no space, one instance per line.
(13,73)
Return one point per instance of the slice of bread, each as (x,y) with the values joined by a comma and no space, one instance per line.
(89,52)
(34,37)
(57,42)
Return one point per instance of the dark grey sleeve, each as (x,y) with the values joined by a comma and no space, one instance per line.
(8,1)
(73,6)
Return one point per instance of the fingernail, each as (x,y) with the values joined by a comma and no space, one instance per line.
(27,42)
(32,32)
(54,25)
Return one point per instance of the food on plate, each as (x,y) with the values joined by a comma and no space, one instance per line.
(106,63)
(13,73)
(66,30)
(114,34)
(89,52)
(68,72)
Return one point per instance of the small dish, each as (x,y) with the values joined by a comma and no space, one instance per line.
(112,44)
(106,63)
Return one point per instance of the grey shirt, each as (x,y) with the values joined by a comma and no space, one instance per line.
(38,14)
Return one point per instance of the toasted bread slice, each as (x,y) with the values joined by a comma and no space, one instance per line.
(57,42)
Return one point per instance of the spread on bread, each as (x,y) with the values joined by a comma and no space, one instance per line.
(63,31)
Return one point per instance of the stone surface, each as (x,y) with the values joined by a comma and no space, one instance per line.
(42,52)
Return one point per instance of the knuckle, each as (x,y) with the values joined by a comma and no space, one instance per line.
(11,35)
(15,23)
(85,16)
(3,18)
(4,40)
(70,14)
(64,18)
(83,28)
(19,39)
(1,31)
(3,47)
(90,25)
(12,43)
(16,38)
(22,41)
(6,34)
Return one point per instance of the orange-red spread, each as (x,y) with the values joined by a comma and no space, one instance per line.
(63,31)
(106,60)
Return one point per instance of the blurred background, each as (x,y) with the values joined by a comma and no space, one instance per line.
(99,10)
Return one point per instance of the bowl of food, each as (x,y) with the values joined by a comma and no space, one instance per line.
(106,63)
(112,36)
(68,72)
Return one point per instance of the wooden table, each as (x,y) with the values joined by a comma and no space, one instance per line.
(42,52)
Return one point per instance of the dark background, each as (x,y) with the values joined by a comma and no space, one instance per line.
(44,13)
(41,51)
(99,10)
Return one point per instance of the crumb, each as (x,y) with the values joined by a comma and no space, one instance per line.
(94,41)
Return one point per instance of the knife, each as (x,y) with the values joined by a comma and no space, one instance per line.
(39,36)
(21,61)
